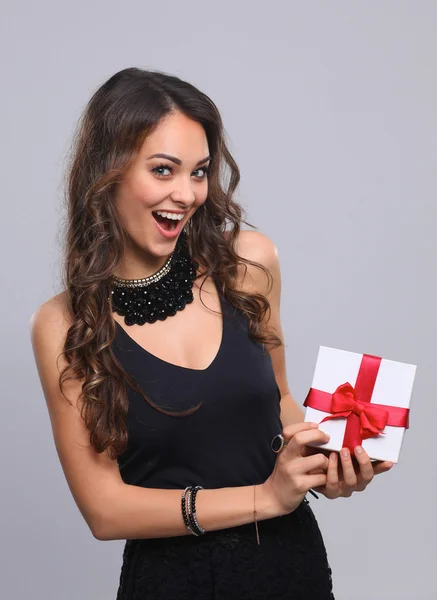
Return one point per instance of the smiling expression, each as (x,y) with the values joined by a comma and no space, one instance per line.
(169,174)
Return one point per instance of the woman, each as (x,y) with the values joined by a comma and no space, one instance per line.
(169,438)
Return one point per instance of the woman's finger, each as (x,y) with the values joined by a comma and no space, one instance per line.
(312,464)
(332,475)
(349,475)
(291,430)
(297,444)
(310,450)
(366,468)
(379,466)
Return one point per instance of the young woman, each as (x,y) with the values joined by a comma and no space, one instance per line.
(162,362)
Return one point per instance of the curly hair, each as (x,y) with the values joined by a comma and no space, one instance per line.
(117,119)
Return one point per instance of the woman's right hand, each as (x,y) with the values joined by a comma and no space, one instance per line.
(291,478)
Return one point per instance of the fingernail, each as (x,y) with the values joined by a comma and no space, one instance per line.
(328,437)
(314,425)
(359,450)
(345,452)
(333,456)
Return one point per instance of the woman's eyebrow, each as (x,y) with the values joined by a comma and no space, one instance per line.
(176,160)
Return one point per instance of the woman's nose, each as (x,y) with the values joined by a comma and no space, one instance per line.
(184,190)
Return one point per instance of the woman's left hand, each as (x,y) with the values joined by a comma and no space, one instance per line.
(345,475)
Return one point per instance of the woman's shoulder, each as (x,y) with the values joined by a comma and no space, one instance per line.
(54,314)
(258,248)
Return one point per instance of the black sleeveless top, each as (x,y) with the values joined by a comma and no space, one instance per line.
(226,442)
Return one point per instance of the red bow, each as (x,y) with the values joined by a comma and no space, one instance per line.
(364,419)
(344,402)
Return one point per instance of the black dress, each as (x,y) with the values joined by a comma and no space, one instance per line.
(225,443)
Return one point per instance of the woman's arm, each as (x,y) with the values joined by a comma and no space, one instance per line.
(111,508)
(344,475)
(255,246)
(137,512)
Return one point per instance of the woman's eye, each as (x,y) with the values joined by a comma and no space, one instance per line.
(205,172)
(157,170)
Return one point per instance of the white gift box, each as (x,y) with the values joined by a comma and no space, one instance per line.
(380,386)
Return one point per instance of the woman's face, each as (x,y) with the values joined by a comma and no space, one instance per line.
(177,184)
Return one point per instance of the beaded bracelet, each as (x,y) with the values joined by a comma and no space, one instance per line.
(189,513)
(192,511)
(184,511)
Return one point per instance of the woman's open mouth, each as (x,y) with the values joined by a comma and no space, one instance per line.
(168,227)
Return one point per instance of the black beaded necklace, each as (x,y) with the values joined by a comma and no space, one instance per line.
(160,295)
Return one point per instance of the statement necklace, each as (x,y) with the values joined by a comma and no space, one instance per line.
(160,295)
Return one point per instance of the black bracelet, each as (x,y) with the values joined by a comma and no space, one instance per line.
(192,511)
(184,509)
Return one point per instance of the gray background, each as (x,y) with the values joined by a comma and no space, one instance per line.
(330,109)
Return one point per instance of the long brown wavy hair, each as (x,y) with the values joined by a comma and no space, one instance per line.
(113,126)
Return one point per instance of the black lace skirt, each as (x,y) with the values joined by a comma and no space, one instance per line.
(291,563)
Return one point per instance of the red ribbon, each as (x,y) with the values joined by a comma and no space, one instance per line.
(364,419)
